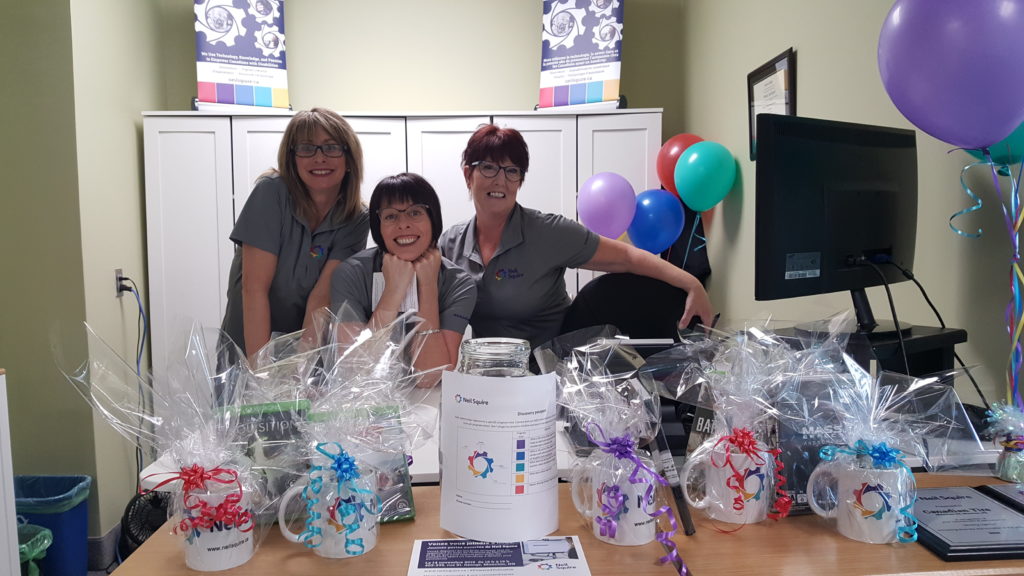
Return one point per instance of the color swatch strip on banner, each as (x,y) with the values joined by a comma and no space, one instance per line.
(243,95)
(585,93)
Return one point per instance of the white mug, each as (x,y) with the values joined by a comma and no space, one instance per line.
(865,501)
(217,545)
(738,492)
(339,523)
(616,507)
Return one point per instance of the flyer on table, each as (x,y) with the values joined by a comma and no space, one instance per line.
(499,473)
(560,554)
(240,53)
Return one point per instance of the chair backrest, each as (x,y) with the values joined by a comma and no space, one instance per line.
(638,306)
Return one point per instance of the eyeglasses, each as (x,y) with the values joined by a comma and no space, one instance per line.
(329,150)
(415,213)
(490,170)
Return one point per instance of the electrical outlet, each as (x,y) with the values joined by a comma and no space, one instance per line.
(118,279)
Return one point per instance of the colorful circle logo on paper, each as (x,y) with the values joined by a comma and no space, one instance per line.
(862,499)
(481,457)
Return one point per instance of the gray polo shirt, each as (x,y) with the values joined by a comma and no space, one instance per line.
(352,282)
(269,222)
(521,291)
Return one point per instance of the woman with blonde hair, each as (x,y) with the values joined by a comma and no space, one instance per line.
(300,221)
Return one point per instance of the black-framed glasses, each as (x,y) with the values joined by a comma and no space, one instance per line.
(329,150)
(490,170)
(415,213)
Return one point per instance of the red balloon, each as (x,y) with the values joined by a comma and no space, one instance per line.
(669,154)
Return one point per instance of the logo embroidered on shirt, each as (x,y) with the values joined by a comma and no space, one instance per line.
(508,274)
(317,251)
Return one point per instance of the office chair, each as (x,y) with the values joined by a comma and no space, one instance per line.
(638,306)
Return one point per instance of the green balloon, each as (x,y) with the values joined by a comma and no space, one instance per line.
(704,175)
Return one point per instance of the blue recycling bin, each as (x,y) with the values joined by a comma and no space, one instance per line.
(59,504)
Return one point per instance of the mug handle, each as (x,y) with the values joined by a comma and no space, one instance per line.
(684,482)
(282,522)
(812,500)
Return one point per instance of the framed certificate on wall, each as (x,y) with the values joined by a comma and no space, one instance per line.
(771,89)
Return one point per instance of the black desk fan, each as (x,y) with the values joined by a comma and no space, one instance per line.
(145,514)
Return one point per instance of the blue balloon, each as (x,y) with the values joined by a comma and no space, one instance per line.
(1009,150)
(657,221)
(705,173)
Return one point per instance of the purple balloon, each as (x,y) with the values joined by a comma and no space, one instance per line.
(954,67)
(606,203)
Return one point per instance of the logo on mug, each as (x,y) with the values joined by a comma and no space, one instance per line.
(741,489)
(863,498)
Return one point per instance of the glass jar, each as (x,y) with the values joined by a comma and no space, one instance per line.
(495,357)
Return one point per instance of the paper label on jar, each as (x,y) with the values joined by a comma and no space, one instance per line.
(499,468)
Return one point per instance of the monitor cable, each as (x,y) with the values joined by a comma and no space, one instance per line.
(892,308)
(942,323)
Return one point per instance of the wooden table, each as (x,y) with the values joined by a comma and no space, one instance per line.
(798,545)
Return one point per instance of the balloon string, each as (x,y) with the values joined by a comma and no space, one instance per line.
(977,204)
(689,242)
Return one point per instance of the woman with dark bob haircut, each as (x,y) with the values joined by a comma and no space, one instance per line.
(518,256)
(405,271)
(300,221)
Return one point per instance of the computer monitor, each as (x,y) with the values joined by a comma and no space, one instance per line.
(831,195)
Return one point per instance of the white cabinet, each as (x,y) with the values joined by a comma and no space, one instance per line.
(435,152)
(189,213)
(200,168)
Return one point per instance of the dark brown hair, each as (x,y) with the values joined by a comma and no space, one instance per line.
(490,142)
(405,187)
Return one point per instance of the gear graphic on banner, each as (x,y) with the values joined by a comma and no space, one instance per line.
(563,25)
(270,41)
(607,33)
(265,11)
(220,22)
(602,8)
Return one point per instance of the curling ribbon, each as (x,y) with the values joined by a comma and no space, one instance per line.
(1013,218)
(623,448)
(612,501)
(977,203)
(1013,443)
(227,513)
(742,439)
(882,457)
(312,536)
(350,509)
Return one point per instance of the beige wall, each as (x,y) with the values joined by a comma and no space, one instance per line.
(116,48)
(77,74)
(40,241)
(837,78)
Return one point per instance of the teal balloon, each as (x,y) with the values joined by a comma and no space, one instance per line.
(704,175)
(1009,150)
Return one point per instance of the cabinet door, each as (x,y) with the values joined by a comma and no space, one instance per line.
(188,217)
(435,152)
(256,142)
(383,143)
(550,184)
(626,144)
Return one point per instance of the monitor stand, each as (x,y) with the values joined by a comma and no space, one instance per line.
(866,323)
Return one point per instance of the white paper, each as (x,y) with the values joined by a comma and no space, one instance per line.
(499,472)
(411,301)
(561,554)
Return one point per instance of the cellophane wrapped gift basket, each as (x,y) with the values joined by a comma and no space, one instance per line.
(616,487)
(193,425)
(364,413)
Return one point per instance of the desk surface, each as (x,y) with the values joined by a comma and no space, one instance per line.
(798,545)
